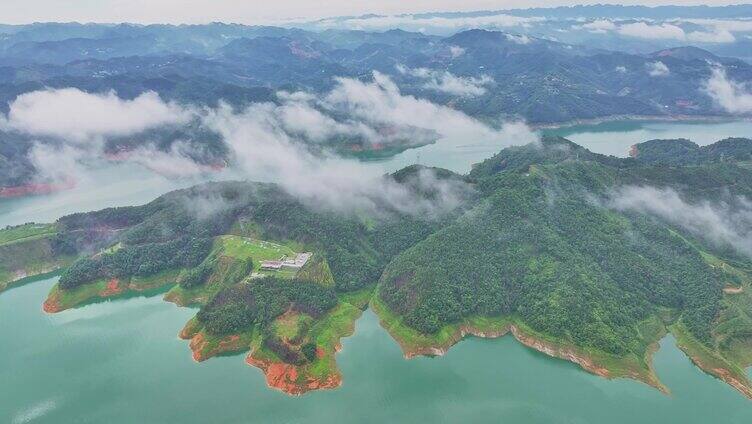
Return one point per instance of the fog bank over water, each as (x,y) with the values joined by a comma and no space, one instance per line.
(282,142)
(131,184)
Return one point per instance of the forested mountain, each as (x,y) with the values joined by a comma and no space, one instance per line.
(685,152)
(584,256)
(493,76)
(631,29)
(533,78)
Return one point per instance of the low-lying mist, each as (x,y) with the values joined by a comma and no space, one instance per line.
(723,223)
(283,142)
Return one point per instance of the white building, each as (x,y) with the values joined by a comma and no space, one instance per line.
(296,263)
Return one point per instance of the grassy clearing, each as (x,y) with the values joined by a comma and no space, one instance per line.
(298,329)
(228,259)
(326,334)
(14,283)
(103,289)
(112,249)
(26,252)
(732,333)
(30,269)
(192,297)
(291,326)
(67,299)
(207,346)
(190,329)
(257,250)
(26,232)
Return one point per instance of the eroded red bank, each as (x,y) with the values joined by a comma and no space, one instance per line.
(285,377)
(36,189)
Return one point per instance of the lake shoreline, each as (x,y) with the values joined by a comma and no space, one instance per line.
(490,328)
(700,119)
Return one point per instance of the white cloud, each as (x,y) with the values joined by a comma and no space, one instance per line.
(720,36)
(381,100)
(411,22)
(79,116)
(519,39)
(456,51)
(644,30)
(57,163)
(73,126)
(175,163)
(721,223)
(732,96)
(446,82)
(272,142)
(264,150)
(657,69)
(660,31)
(718,25)
(599,26)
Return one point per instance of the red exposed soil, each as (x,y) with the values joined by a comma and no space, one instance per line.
(34,189)
(290,378)
(723,374)
(726,376)
(187,332)
(52,305)
(551,349)
(561,352)
(199,345)
(733,290)
(113,288)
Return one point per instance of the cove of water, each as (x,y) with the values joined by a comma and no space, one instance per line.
(121,361)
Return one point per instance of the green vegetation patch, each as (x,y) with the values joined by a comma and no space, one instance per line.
(26,232)
(317,270)
(27,252)
(206,345)
(413,341)
(257,250)
(60,299)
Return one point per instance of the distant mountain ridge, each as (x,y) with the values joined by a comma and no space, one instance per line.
(489,75)
(540,80)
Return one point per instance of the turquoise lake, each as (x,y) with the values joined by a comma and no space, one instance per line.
(122,362)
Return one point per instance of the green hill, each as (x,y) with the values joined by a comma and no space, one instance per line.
(582,256)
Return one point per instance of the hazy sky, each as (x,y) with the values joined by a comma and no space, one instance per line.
(256,11)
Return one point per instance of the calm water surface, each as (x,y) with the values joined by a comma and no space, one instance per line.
(121,361)
(612,138)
